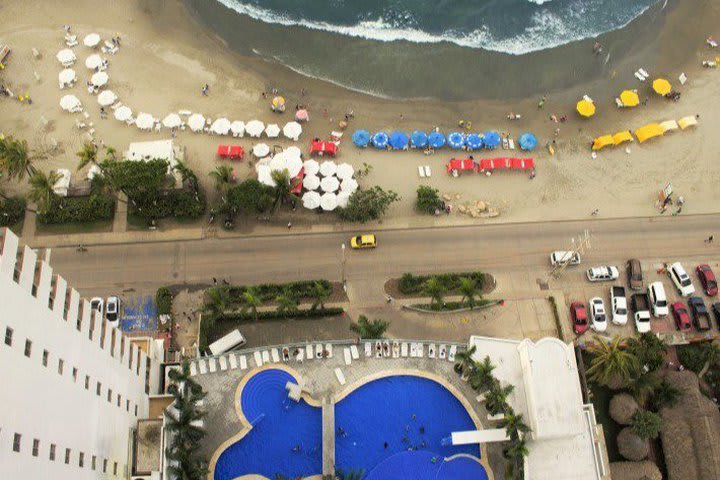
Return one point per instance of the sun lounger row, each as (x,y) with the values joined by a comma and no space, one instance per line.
(395,349)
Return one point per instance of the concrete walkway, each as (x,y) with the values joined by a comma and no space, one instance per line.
(28,230)
(121,209)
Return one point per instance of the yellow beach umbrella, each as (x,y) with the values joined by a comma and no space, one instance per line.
(621,137)
(585,108)
(649,131)
(661,86)
(602,142)
(278,104)
(629,98)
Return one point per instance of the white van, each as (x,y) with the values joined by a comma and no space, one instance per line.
(681,279)
(658,300)
(600,274)
(561,257)
(231,341)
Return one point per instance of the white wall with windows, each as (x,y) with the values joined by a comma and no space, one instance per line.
(71,387)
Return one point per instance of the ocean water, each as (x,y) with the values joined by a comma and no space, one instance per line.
(509,26)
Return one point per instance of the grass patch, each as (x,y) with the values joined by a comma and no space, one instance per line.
(413,284)
(70,228)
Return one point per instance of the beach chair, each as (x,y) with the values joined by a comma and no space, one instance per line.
(301,355)
(368,349)
(387,351)
(243,362)
(413,350)
(496,418)
(404,350)
(202,366)
(428,173)
(309,352)
(213,365)
(378,349)
(340,376)
(619,103)
(420,350)
(431,350)
(275,355)
(347,356)
(682,78)
(328,349)
(318,350)
(354,352)
(233,361)
(442,352)
(421,171)
(511,144)
(223,363)
(193,369)
(285,354)
(258,359)
(396,349)
(588,99)
(266,356)
(505,143)
(451,353)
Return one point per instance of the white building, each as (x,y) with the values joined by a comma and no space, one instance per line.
(71,387)
(565,443)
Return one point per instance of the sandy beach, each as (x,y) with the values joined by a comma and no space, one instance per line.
(167,56)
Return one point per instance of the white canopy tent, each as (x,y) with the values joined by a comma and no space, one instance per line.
(345,170)
(264,175)
(66,57)
(196,122)
(100,79)
(66,77)
(293,164)
(62,184)
(278,162)
(70,103)
(221,126)
(328,168)
(349,185)
(311,200)
(237,128)
(312,167)
(261,150)
(145,121)
(254,128)
(292,130)
(294,151)
(91,40)
(106,98)
(343,198)
(311,182)
(272,130)
(123,113)
(93,61)
(328,202)
(329,184)
(172,120)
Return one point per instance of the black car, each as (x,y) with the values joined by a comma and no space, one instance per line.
(701,317)
(716,312)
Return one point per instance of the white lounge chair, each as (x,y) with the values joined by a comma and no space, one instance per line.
(318,350)
(413,350)
(275,355)
(340,376)
(223,363)
(301,355)
(193,369)
(421,171)
(212,362)
(431,350)
(403,349)
(619,103)
(505,143)
(258,359)
(386,349)
(309,352)
(396,349)
(354,352)
(286,354)
(243,362)
(378,349)
(202,366)
(442,352)
(428,173)
(266,356)
(347,355)
(328,349)
(451,354)
(421,350)
(368,349)
(233,361)
(511,143)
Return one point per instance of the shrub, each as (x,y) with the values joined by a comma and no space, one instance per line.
(365,205)
(269,291)
(556,315)
(428,199)
(78,210)
(12,211)
(646,425)
(176,203)
(693,356)
(410,284)
(163,301)
(448,306)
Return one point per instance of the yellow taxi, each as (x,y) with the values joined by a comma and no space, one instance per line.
(363,241)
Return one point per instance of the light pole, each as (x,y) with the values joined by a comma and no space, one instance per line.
(342,265)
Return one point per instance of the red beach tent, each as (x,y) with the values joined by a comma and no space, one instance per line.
(507,163)
(318,147)
(460,164)
(230,151)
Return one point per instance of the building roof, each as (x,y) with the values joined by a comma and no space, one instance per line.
(162,149)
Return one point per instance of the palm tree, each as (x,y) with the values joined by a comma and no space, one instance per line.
(482,376)
(87,155)
(251,301)
(665,395)
(643,386)
(434,289)
(218,302)
(369,329)
(283,187)
(517,450)
(468,288)
(514,425)
(320,293)
(286,303)
(41,189)
(15,158)
(223,177)
(496,397)
(649,350)
(612,364)
(464,361)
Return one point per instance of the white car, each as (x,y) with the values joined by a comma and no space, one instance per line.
(658,300)
(98,305)
(598,315)
(680,278)
(600,274)
(618,303)
(112,310)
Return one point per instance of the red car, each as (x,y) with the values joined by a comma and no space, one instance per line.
(707,278)
(579,317)
(682,317)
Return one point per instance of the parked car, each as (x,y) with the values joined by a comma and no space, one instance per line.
(641,306)
(112,310)
(681,316)
(562,257)
(98,304)
(716,312)
(578,313)
(701,317)
(363,241)
(707,279)
(618,302)
(598,315)
(600,274)
(658,300)
(634,273)
(681,279)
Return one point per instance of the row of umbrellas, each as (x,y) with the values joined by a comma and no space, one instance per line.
(628,98)
(67,57)
(418,139)
(327,201)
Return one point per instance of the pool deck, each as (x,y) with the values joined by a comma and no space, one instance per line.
(225,423)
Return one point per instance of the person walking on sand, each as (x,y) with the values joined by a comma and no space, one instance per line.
(541,103)
(289,225)
(710,239)
(205,90)
(595,212)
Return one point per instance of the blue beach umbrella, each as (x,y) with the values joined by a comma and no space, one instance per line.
(380,140)
(418,139)
(456,140)
(361,138)
(491,139)
(527,141)
(436,140)
(398,140)
(474,141)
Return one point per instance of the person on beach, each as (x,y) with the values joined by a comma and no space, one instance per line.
(205,90)
(597,48)
(710,239)
(541,103)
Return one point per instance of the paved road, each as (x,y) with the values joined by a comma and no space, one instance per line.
(509,247)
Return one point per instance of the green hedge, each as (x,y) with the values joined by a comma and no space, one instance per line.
(694,355)
(269,291)
(411,284)
(176,203)
(287,314)
(78,210)
(454,305)
(12,211)
(163,301)
(556,315)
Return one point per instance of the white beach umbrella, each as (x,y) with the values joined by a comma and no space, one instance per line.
(293,151)
(91,40)
(311,200)
(328,168)
(329,184)
(328,202)
(272,130)
(254,128)
(278,162)
(311,182)
(349,185)
(345,170)
(66,77)
(261,150)
(100,79)
(196,122)
(312,167)
(292,130)
(107,98)
(66,57)
(293,164)
(237,128)
(221,126)
(123,113)
(145,121)
(173,120)
(343,198)
(264,175)
(93,172)
(70,103)
(93,61)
